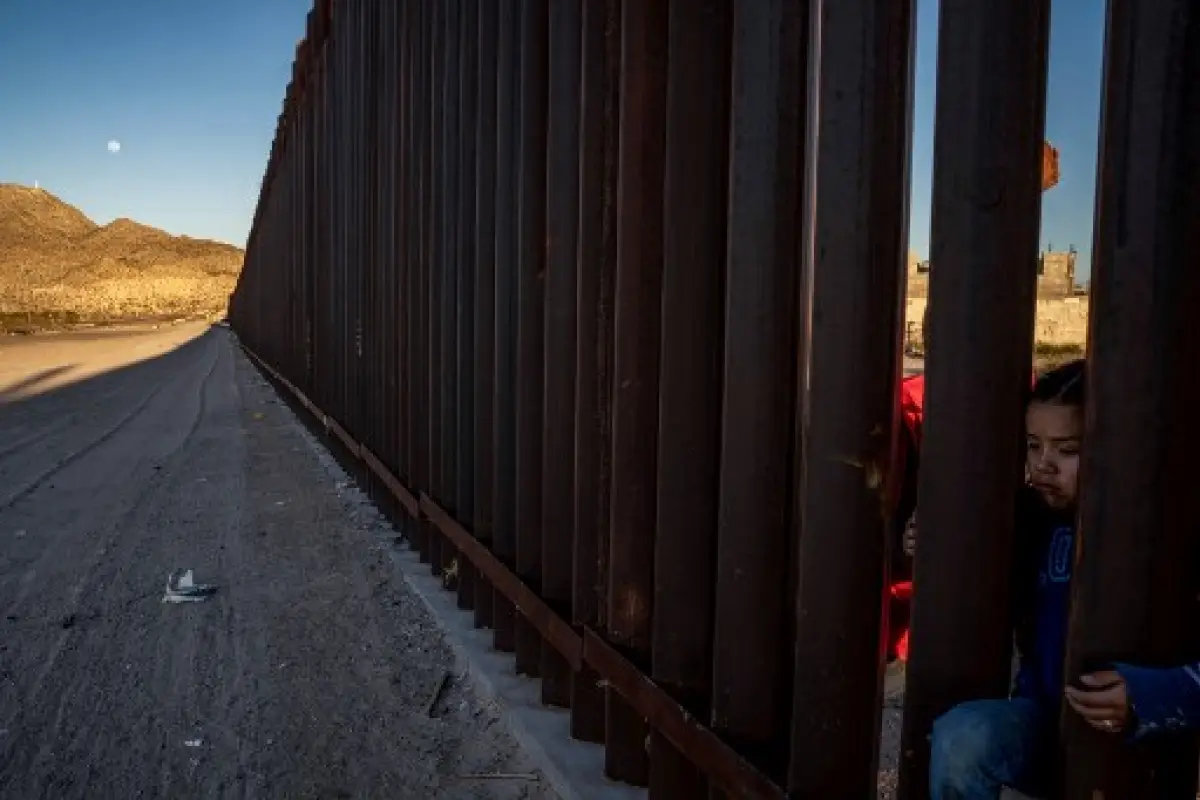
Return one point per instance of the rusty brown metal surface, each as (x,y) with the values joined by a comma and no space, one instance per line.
(558,427)
(447,91)
(435,266)
(485,295)
(859,235)
(504,470)
(689,412)
(636,326)
(990,119)
(531,104)
(750,687)
(1136,578)
(537,271)
(467,97)
(419,259)
(599,87)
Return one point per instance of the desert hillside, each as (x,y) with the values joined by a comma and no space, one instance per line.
(55,261)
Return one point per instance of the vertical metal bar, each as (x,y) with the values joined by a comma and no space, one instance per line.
(369,264)
(504,409)
(437,270)
(404,223)
(531,266)
(389,214)
(1135,585)
(636,328)
(689,415)
(410,178)
(859,237)
(307,226)
(596,263)
(321,265)
(485,297)
(749,660)
(326,363)
(338,147)
(988,144)
(421,116)
(558,433)
(447,236)
(464,489)
(356,383)
(385,206)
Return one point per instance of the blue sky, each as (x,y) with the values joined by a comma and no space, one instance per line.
(191,90)
(1072,120)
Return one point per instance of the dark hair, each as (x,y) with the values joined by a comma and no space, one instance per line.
(1064,385)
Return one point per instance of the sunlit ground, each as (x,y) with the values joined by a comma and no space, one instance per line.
(32,365)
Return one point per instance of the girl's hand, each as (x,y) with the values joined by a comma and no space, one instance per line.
(1104,704)
(910,536)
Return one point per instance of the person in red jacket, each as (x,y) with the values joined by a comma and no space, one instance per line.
(912,423)
(912,416)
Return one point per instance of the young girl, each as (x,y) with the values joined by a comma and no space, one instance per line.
(983,745)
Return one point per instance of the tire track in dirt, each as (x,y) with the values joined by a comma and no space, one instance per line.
(93,577)
(307,675)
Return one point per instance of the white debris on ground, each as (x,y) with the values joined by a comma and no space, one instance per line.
(182,588)
(308,674)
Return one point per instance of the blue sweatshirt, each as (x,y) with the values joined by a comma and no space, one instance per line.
(1046,585)
(1162,699)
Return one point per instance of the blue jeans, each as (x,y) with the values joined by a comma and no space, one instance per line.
(982,746)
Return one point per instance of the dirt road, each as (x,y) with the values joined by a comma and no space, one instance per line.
(124,456)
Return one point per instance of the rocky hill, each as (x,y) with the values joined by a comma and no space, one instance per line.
(55,262)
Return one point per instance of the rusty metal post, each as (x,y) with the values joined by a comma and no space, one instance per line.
(399,55)
(369,264)
(436,256)
(409,257)
(447,93)
(504,468)
(423,114)
(531,266)
(448,239)
(485,297)
(696,196)
(1136,578)
(636,329)
(352,412)
(338,179)
(464,489)
(751,650)
(988,144)
(596,264)
(858,236)
(558,433)
(384,99)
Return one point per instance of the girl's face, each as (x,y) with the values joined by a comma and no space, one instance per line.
(1052,436)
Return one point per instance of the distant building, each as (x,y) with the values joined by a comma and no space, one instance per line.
(1062,305)
(1056,276)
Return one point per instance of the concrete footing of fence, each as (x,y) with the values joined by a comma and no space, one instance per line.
(574,769)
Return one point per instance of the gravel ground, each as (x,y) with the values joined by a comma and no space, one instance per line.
(889,736)
(308,674)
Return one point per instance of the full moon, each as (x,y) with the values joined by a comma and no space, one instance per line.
(114,146)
